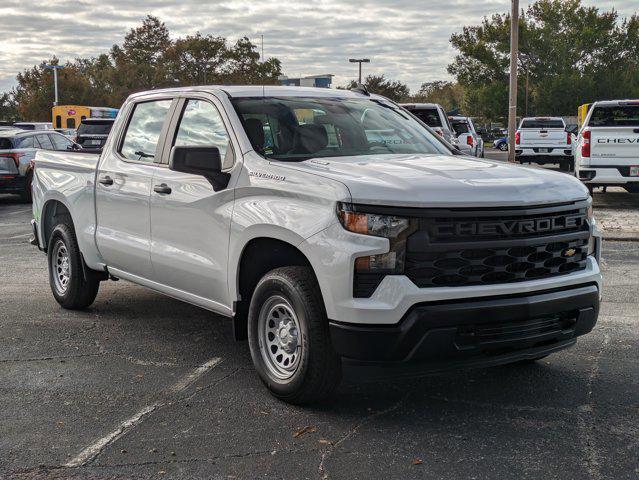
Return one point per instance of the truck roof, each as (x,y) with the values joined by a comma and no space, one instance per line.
(541,118)
(420,105)
(608,103)
(239,91)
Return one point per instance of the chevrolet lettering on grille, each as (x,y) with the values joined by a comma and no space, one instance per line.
(508,227)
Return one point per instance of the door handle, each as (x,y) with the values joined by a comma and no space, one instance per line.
(106,180)
(162,188)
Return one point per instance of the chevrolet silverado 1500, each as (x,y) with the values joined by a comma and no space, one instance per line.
(333,227)
(607,150)
(544,140)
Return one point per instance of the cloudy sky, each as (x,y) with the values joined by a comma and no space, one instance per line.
(405,39)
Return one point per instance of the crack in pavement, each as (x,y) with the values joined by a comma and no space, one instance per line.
(324,475)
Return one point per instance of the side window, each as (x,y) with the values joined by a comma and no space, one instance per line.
(70,122)
(201,124)
(44,142)
(26,142)
(60,142)
(143,132)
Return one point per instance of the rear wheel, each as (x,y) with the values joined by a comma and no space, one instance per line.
(66,274)
(289,337)
(503,147)
(632,187)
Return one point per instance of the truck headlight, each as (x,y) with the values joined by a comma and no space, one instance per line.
(396,229)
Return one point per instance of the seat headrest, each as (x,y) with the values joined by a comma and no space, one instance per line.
(310,138)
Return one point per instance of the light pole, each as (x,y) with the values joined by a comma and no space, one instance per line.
(512,97)
(360,61)
(55,69)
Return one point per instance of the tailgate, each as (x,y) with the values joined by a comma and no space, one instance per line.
(543,137)
(614,142)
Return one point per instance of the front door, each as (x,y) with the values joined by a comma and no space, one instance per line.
(123,188)
(190,221)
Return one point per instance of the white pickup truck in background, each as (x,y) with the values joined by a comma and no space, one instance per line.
(333,227)
(607,147)
(544,140)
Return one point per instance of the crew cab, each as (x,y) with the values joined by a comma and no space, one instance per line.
(333,228)
(434,115)
(544,140)
(607,147)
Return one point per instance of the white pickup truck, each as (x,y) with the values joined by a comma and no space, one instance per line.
(332,226)
(544,140)
(607,147)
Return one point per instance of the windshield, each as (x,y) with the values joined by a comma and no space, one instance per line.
(95,128)
(299,128)
(542,123)
(615,116)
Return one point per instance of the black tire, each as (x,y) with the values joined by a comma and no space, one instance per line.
(25,196)
(564,165)
(631,187)
(503,147)
(79,292)
(318,371)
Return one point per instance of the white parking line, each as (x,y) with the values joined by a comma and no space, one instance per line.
(96,447)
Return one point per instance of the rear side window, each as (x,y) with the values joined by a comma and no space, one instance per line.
(430,116)
(201,124)
(615,116)
(5,144)
(143,132)
(26,142)
(541,123)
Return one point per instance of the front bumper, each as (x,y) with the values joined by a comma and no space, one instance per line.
(439,336)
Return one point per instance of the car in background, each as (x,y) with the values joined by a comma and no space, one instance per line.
(17,150)
(33,125)
(607,147)
(92,133)
(544,140)
(501,144)
(470,143)
(433,115)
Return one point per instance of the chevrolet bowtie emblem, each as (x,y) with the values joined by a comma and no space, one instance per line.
(569,252)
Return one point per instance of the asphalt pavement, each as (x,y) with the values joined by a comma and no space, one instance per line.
(144,386)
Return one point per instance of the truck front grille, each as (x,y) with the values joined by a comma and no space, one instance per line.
(466,247)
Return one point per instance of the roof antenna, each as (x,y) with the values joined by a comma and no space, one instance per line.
(360,88)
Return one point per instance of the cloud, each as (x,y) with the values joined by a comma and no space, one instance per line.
(406,40)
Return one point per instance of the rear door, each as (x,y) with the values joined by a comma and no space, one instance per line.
(125,172)
(190,221)
(614,135)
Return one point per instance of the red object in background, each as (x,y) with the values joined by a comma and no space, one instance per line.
(585,148)
(517,138)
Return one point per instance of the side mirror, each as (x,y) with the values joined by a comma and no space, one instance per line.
(204,161)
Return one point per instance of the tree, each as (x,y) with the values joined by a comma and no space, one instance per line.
(571,53)
(448,94)
(8,107)
(395,90)
(147,59)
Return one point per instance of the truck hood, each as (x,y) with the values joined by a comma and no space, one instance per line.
(443,180)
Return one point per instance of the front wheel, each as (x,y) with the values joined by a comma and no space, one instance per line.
(66,276)
(25,195)
(289,337)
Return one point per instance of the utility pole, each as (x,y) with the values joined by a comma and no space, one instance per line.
(55,69)
(360,61)
(262,48)
(512,97)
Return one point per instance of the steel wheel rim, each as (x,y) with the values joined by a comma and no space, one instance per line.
(61,267)
(280,338)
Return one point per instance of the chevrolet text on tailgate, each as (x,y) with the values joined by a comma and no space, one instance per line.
(607,152)
(333,227)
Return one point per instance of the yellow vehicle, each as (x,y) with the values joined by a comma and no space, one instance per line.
(70,116)
(582,111)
